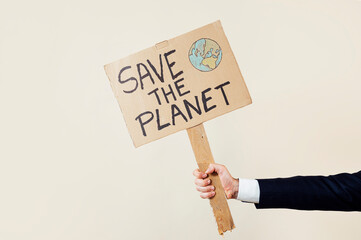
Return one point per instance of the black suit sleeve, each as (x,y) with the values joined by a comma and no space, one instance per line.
(341,192)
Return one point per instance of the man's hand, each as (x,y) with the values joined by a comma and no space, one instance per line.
(204,186)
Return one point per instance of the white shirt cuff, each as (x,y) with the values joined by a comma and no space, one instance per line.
(248,190)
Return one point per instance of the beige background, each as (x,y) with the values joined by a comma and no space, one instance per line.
(69,169)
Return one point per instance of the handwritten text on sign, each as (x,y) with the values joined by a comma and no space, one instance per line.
(190,80)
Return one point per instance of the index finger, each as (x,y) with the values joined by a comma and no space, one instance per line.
(199,174)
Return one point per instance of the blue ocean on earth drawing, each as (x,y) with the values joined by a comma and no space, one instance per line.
(205,54)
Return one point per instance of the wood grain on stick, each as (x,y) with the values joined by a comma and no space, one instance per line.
(203,154)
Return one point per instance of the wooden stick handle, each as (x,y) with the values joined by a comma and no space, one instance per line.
(202,151)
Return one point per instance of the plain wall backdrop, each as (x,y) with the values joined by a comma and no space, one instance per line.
(68,169)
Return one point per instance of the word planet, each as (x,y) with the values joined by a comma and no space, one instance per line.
(205,54)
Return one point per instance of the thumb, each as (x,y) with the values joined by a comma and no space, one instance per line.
(229,194)
(213,168)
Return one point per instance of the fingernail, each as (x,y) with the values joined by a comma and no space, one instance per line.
(212,187)
(209,181)
(204,175)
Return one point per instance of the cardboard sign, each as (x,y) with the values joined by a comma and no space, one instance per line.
(178,84)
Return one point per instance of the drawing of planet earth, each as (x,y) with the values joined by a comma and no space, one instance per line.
(205,54)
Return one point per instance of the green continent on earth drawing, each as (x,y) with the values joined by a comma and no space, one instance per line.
(205,54)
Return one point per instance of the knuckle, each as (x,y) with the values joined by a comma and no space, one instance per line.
(205,189)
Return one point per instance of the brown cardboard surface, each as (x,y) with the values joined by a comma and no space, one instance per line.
(141,82)
(202,151)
